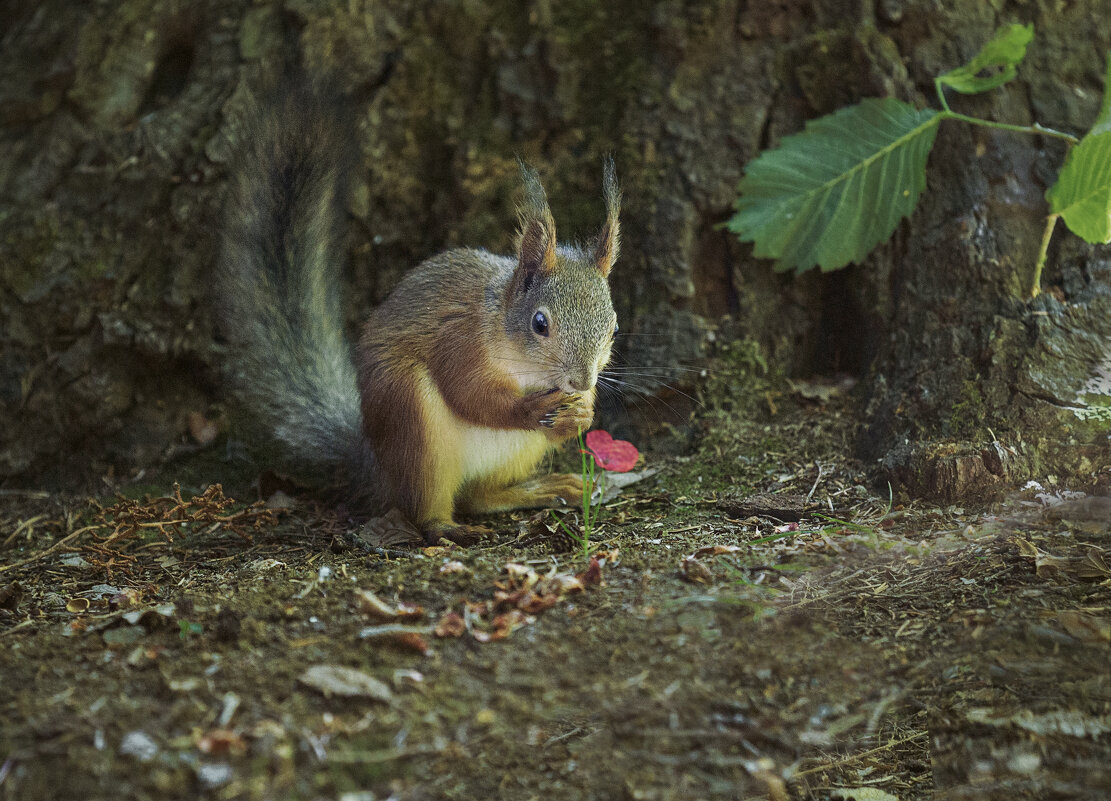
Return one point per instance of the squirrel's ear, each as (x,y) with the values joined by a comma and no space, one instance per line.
(536,236)
(609,240)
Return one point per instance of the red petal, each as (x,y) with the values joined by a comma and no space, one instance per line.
(611,454)
(598,438)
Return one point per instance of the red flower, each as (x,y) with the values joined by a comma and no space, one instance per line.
(611,454)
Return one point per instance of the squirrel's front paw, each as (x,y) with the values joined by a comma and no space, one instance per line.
(556,413)
(568,418)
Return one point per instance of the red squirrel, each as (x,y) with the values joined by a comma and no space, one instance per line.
(470,371)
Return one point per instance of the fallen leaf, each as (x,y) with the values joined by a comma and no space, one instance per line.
(410,637)
(265,564)
(391,530)
(534,602)
(615,455)
(1088,628)
(374,607)
(10,595)
(502,626)
(1090,566)
(414,642)
(1094,565)
(861,794)
(693,570)
(615,482)
(715,550)
(592,576)
(345,682)
(451,625)
(221,741)
(562,584)
(521,576)
(126,598)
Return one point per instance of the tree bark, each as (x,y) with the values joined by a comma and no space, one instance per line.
(116,118)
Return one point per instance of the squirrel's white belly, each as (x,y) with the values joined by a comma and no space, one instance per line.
(503,452)
(475,453)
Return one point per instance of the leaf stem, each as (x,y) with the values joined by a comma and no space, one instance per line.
(1050,224)
(1004,126)
(941,95)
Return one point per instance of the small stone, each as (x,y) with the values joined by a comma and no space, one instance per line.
(140,745)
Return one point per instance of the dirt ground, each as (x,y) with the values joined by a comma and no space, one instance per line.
(753,623)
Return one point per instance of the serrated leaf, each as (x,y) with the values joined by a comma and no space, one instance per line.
(830,194)
(1082,194)
(1004,52)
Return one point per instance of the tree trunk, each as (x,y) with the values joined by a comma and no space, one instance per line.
(116,118)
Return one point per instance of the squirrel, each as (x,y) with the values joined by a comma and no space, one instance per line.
(470,371)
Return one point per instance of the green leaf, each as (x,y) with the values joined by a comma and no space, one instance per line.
(1082,194)
(830,194)
(1005,52)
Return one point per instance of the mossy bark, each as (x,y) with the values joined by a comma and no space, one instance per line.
(116,119)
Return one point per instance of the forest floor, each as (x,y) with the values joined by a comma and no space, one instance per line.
(753,623)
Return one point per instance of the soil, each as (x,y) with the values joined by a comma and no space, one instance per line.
(753,622)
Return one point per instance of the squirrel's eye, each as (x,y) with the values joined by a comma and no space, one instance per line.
(540,323)
(616,328)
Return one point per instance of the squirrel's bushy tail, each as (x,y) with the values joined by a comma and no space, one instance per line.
(278,281)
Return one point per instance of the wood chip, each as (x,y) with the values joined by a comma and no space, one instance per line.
(786,508)
(345,682)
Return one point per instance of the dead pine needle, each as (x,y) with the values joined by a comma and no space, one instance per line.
(56,546)
(863,754)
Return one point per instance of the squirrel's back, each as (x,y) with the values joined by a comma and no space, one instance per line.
(279,275)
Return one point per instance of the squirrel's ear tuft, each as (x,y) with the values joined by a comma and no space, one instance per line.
(609,240)
(536,236)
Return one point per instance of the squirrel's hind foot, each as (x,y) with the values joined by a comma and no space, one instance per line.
(557,489)
(458,533)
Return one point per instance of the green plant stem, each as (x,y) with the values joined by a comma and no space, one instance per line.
(1004,126)
(587,474)
(1050,224)
(941,95)
(586,462)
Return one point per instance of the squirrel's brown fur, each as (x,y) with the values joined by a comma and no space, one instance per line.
(468,373)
